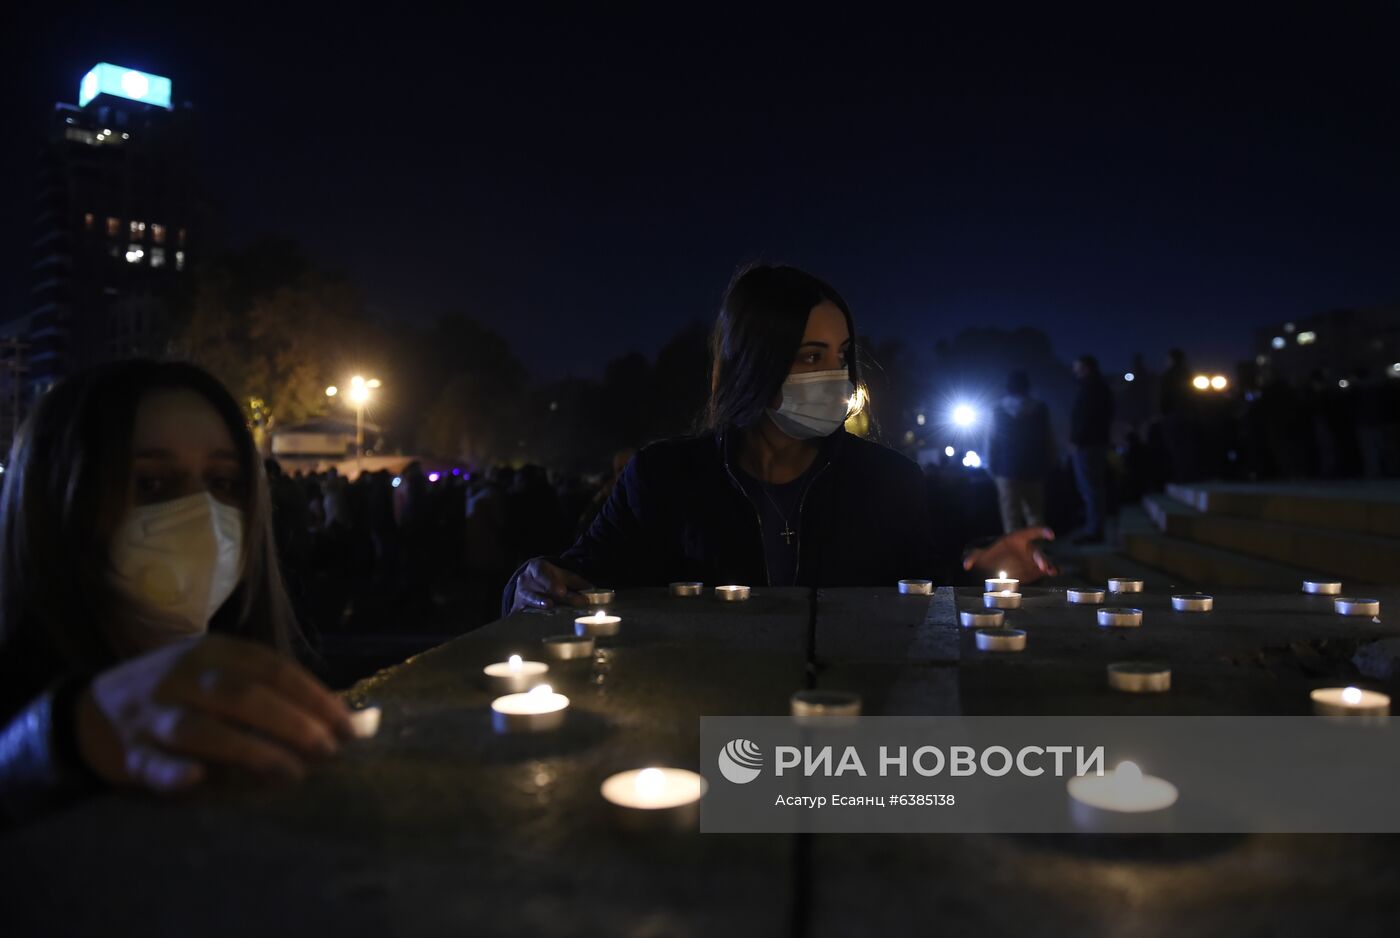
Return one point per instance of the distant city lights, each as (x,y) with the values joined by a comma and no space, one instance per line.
(1200,383)
(1218,383)
(921,420)
(1307,338)
(1279,342)
(971,460)
(949,451)
(1129,377)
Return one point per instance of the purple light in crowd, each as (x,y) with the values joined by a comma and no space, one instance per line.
(456,472)
(433,477)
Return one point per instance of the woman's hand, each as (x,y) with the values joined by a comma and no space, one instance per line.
(542,584)
(163,720)
(1017,553)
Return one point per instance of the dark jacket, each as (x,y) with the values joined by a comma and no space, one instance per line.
(1093,412)
(679,513)
(1020,445)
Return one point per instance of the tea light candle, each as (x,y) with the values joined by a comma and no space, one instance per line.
(1120,617)
(651,798)
(1357,607)
(1140,677)
(1120,584)
(598,596)
(1001,639)
(1085,597)
(1122,798)
(1193,602)
(568,647)
(1323,587)
(534,711)
(1003,600)
(1350,701)
(687,589)
(731,594)
(1001,583)
(365,722)
(514,675)
(825,703)
(982,619)
(916,587)
(600,623)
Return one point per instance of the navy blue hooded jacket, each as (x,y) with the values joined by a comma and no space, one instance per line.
(679,513)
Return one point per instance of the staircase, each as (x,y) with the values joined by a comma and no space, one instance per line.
(1270,536)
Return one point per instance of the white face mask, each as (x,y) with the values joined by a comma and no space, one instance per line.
(814,404)
(182,558)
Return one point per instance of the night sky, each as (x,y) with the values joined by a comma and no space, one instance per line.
(587,183)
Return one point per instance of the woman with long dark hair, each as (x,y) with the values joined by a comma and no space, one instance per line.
(145,635)
(773,490)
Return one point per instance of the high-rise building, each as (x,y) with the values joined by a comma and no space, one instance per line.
(115,231)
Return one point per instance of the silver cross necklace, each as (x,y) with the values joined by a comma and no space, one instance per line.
(787,533)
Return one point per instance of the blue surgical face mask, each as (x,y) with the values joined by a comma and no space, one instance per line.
(814,404)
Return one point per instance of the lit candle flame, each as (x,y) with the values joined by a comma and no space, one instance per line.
(514,663)
(543,690)
(1351,696)
(1001,574)
(650,783)
(1127,773)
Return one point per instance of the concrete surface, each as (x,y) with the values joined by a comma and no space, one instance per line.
(438,826)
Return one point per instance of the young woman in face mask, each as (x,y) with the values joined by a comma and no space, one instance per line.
(775,491)
(145,636)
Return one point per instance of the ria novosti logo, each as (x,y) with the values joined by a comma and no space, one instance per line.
(740,761)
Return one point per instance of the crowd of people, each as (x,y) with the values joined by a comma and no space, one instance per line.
(363,554)
(1176,431)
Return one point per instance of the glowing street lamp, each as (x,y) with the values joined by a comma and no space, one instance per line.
(358,396)
(1201,383)
(1218,383)
(964,415)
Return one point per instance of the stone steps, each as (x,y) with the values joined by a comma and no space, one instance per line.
(1331,551)
(1205,566)
(1360,507)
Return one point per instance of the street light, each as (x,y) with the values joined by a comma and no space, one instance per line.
(359,396)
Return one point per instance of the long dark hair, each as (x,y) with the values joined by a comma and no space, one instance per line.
(759,328)
(65,493)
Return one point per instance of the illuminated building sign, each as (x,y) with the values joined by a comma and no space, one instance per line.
(124,83)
